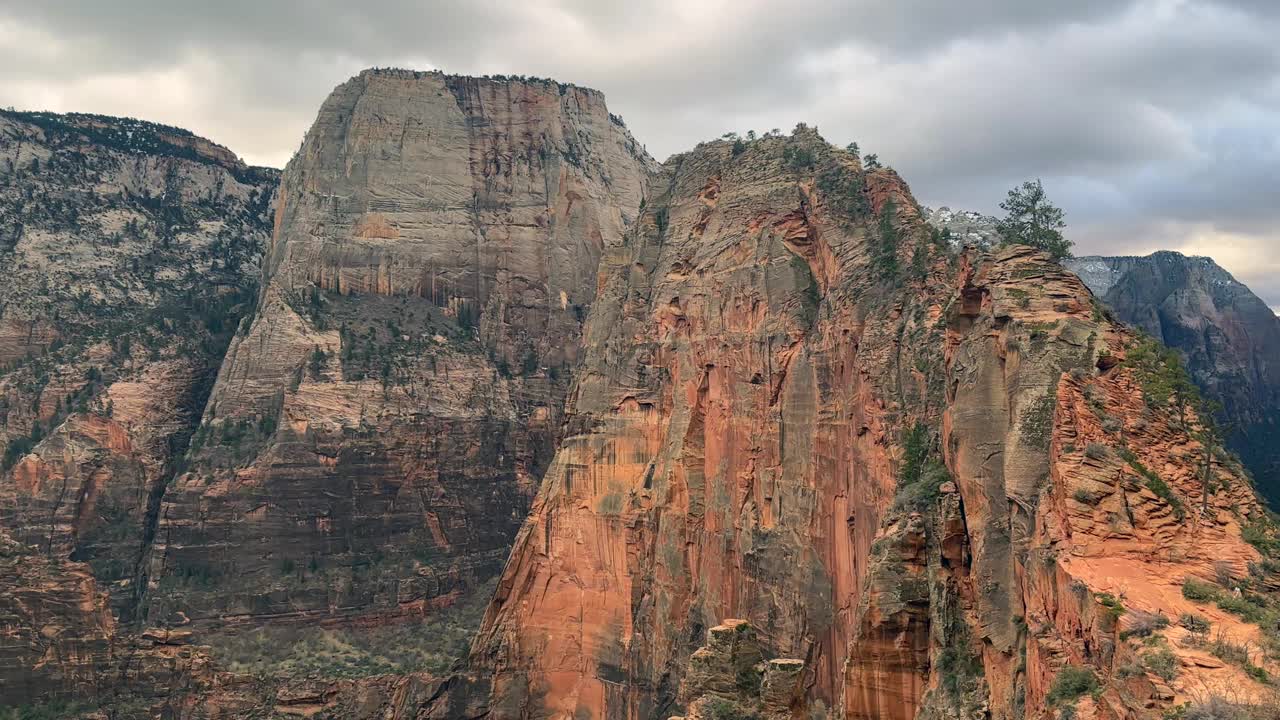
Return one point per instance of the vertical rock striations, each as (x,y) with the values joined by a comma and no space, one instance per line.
(934,478)
(377,432)
(729,447)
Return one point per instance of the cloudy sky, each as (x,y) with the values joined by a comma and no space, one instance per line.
(1154,124)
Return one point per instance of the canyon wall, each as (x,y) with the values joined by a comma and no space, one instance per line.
(729,449)
(376,433)
(766,443)
(130,252)
(932,478)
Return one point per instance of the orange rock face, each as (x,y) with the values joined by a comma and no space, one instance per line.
(796,410)
(727,452)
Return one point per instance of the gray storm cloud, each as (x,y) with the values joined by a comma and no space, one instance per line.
(1153,123)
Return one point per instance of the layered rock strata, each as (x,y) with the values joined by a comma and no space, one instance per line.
(798,408)
(376,434)
(129,252)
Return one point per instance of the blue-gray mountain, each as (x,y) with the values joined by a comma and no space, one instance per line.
(1228,336)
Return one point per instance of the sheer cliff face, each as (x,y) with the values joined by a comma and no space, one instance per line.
(803,459)
(1228,336)
(728,449)
(129,251)
(377,432)
(922,475)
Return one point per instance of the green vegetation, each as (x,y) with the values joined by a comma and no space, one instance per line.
(1154,482)
(316,362)
(1194,623)
(1112,608)
(1238,654)
(884,253)
(845,192)
(1162,663)
(798,157)
(1096,451)
(1144,624)
(922,472)
(1033,220)
(1037,422)
(720,709)
(1163,377)
(1219,708)
(1250,606)
(1196,591)
(958,666)
(432,644)
(1070,684)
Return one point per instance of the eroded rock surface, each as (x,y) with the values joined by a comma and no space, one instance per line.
(129,253)
(800,409)
(376,434)
(929,483)
(1228,336)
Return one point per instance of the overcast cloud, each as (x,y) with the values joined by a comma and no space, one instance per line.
(1153,123)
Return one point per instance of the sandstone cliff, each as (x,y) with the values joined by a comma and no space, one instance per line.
(794,454)
(375,435)
(129,252)
(1228,336)
(929,476)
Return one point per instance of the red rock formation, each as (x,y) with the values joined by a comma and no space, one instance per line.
(779,364)
(727,453)
(932,485)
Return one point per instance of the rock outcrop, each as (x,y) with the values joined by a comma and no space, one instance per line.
(378,430)
(931,482)
(130,250)
(799,408)
(1229,338)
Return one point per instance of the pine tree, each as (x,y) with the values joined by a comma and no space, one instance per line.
(1033,220)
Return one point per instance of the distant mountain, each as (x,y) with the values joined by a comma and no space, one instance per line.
(1229,337)
(966,227)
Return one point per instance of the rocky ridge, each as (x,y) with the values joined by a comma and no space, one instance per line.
(130,251)
(753,383)
(1228,337)
(798,409)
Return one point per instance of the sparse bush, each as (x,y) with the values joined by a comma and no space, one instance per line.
(721,709)
(1084,497)
(1161,662)
(1195,624)
(1144,624)
(1096,451)
(1070,684)
(1218,708)
(1112,606)
(798,157)
(1197,591)
(1224,649)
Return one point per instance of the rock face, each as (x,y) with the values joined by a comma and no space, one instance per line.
(1228,336)
(129,252)
(376,434)
(930,477)
(928,482)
